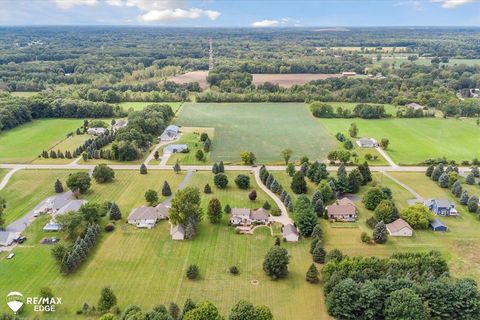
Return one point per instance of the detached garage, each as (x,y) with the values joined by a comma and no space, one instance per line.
(399,228)
(438,225)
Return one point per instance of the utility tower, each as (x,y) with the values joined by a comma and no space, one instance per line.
(210,56)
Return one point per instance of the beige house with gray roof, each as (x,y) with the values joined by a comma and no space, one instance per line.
(147,217)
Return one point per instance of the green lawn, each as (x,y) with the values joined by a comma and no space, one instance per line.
(145,267)
(23,144)
(415,140)
(263,128)
(140,105)
(23,94)
(191,137)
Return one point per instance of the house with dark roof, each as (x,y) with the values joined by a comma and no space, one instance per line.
(119,124)
(260,216)
(7,238)
(399,228)
(342,210)
(147,217)
(438,225)
(290,233)
(441,207)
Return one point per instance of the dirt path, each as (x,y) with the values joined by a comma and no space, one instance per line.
(387,157)
(7,177)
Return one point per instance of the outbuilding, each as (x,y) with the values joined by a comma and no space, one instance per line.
(178,232)
(437,225)
(290,233)
(399,228)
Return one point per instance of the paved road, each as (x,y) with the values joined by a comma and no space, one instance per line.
(283,218)
(181,186)
(151,156)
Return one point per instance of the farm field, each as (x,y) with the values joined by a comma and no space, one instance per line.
(141,105)
(368,49)
(415,140)
(262,128)
(24,143)
(128,252)
(191,137)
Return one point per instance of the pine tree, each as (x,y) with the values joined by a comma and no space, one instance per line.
(156,155)
(312,274)
(317,231)
(266,205)
(58,186)
(298,184)
(166,191)
(221,167)
(274,186)
(206,145)
(343,185)
(174,311)
(269,181)
(380,233)
(475,172)
(470,179)
(319,253)
(365,171)
(187,306)
(316,195)
(176,167)
(355,180)
(215,168)
(457,189)
(115,213)
(443,180)
(227,209)
(283,195)
(207,189)
(143,169)
(313,244)
(319,207)
(464,198)
(192,272)
(304,168)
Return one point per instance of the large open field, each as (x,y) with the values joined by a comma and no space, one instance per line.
(263,128)
(415,140)
(24,143)
(128,253)
(141,105)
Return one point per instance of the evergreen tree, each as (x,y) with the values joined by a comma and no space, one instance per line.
(115,213)
(199,155)
(227,209)
(174,311)
(266,205)
(274,186)
(317,231)
(306,217)
(276,261)
(319,253)
(215,168)
(319,207)
(107,299)
(192,272)
(143,169)
(475,171)
(437,172)
(166,191)
(269,180)
(365,171)
(298,185)
(464,198)
(58,186)
(313,244)
(176,167)
(443,180)
(221,167)
(380,233)
(343,184)
(207,189)
(470,179)
(457,189)
(156,155)
(187,306)
(290,169)
(206,145)
(312,274)
(214,211)
(283,195)
(334,255)
(304,168)
(472,204)
(429,171)
(355,179)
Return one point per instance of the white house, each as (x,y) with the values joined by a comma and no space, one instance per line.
(170,133)
(399,228)
(349,74)
(175,148)
(96,131)
(290,233)
(414,106)
(147,217)
(177,232)
(367,143)
(240,216)
(7,238)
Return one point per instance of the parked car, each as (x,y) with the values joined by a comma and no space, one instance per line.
(11,255)
(22,239)
(35,213)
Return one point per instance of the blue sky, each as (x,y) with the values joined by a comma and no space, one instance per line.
(242,13)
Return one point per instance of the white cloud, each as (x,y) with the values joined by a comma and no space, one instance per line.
(68,4)
(177,14)
(416,4)
(115,3)
(265,23)
(450,4)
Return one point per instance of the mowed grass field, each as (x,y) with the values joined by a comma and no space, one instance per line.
(414,140)
(145,267)
(136,106)
(24,143)
(262,128)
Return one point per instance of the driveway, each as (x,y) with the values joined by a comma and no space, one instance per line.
(181,186)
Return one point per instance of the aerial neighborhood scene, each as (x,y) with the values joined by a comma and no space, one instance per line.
(240,160)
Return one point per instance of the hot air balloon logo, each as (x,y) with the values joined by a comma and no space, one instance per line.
(15,301)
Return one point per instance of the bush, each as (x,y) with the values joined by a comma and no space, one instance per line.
(220,180)
(192,272)
(266,205)
(372,222)
(472,204)
(276,212)
(417,216)
(373,197)
(207,189)
(109,227)
(103,173)
(242,181)
(380,233)
(234,270)
(365,237)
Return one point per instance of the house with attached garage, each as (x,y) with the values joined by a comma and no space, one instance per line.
(96,131)
(147,217)
(399,228)
(175,148)
(367,143)
(441,207)
(7,238)
(342,210)
(170,133)
(246,217)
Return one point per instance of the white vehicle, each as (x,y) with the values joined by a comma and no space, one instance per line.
(11,255)
(35,213)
